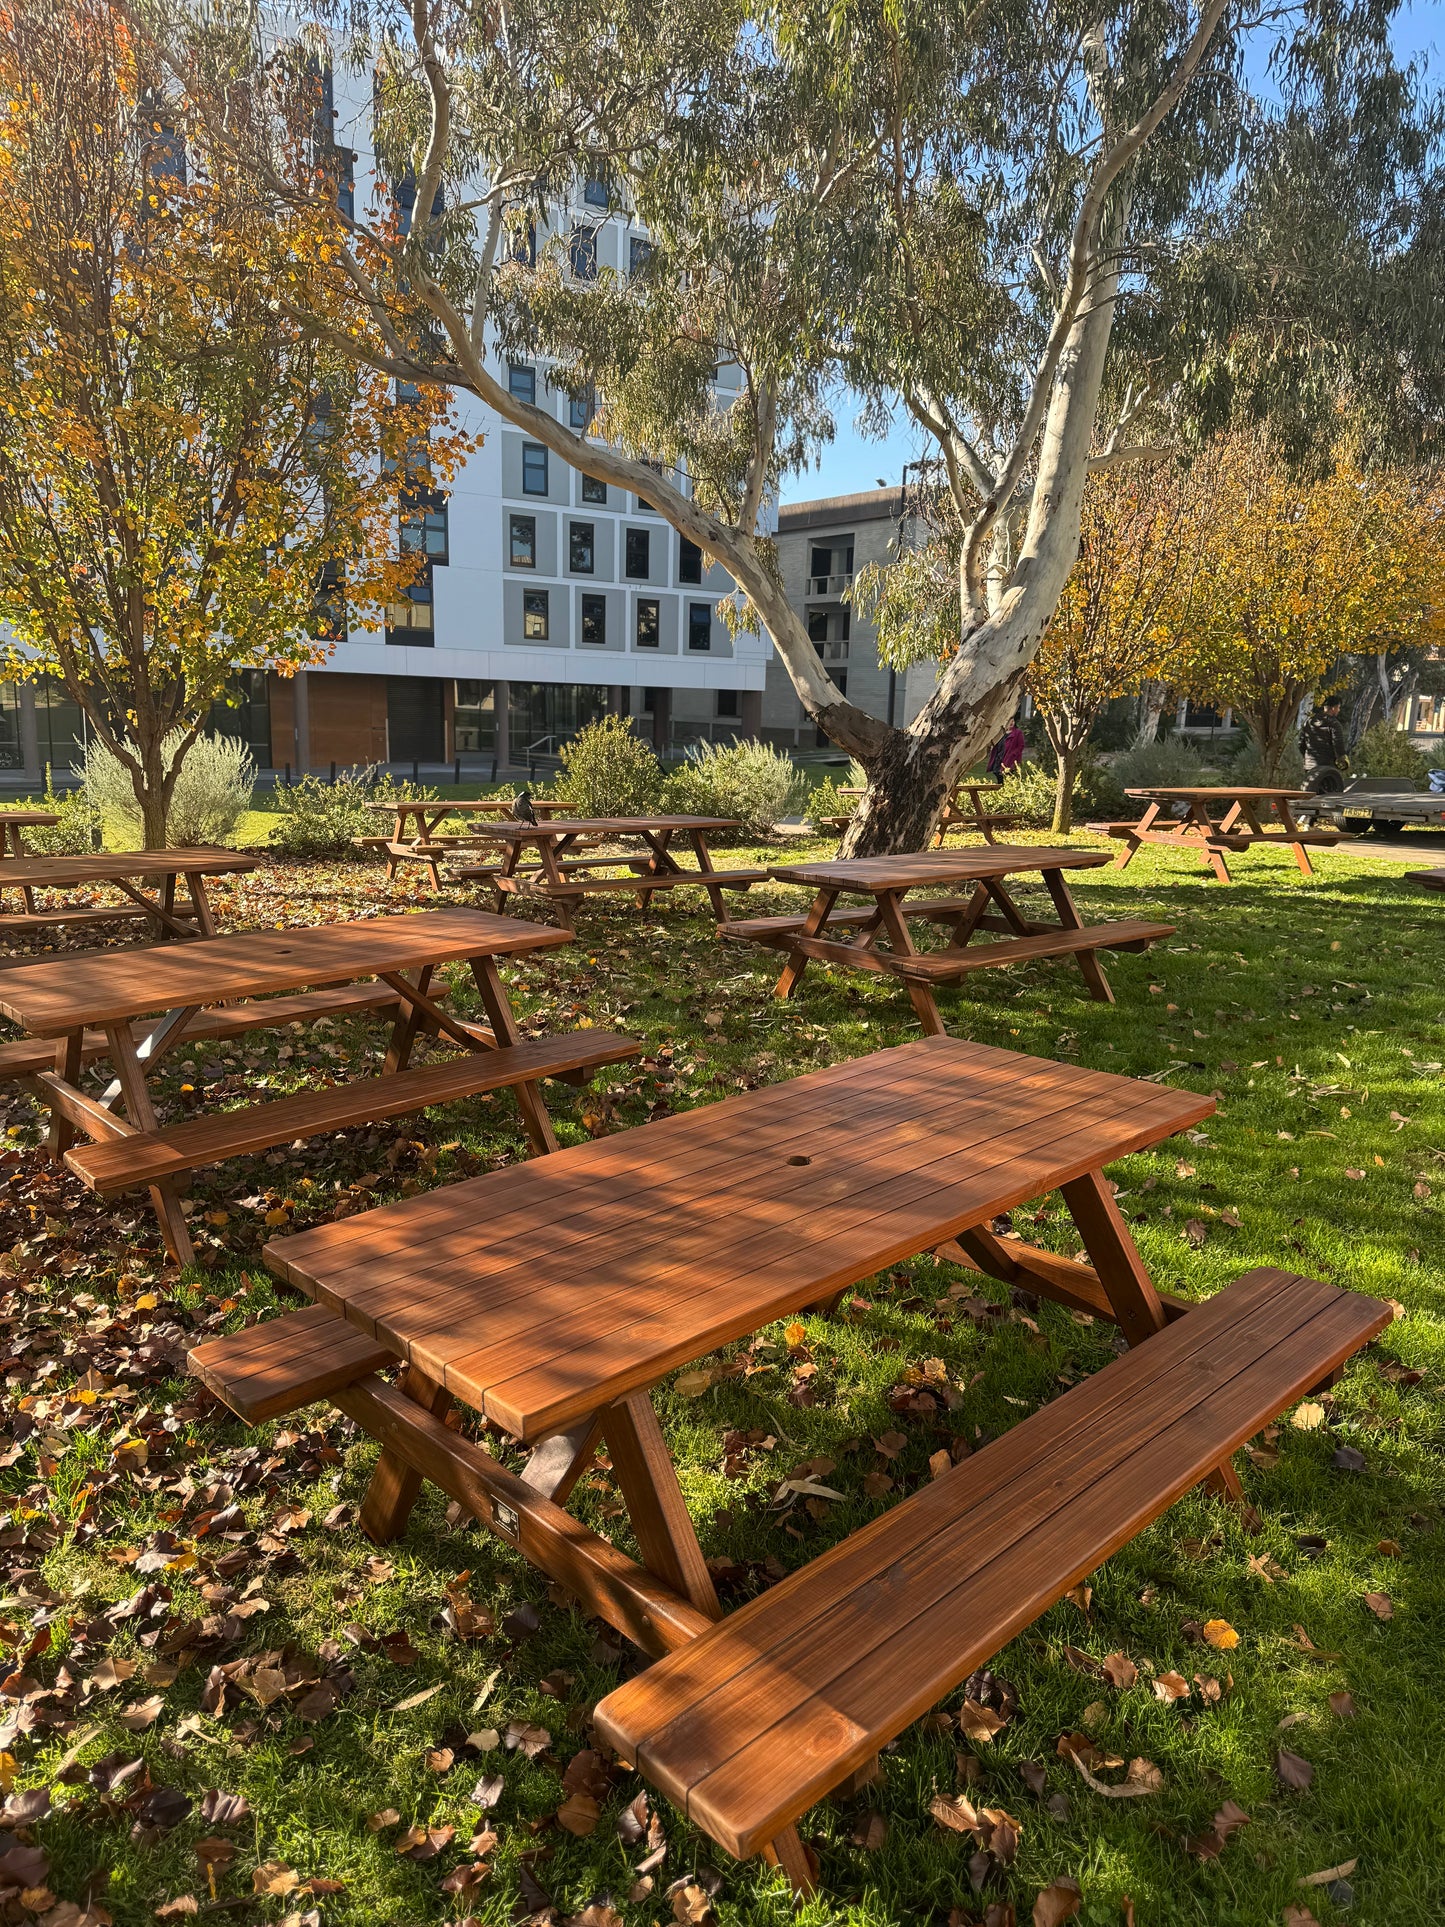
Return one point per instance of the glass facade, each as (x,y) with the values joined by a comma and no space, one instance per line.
(540,710)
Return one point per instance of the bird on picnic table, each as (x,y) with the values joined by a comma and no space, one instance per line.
(522,811)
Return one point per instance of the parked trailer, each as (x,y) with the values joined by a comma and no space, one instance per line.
(1383,805)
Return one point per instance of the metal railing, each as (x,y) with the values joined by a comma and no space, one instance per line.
(829,584)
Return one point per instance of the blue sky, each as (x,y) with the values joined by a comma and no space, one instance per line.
(852,463)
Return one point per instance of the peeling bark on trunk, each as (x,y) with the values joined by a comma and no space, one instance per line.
(1064,792)
(1152,698)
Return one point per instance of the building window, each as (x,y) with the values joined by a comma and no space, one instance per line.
(580,411)
(424,528)
(649,701)
(522,545)
(581,547)
(639,253)
(593,490)
(699,625)
(582,253)
(410,619)
(649,622)
(534,615)
(689,562)
(639,548)
(534,469)
(521,382)
(595,192)
(594,620)
(727,703)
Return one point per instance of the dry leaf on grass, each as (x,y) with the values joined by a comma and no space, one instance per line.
(579,1814)
(980,1722)
(1380,1604)
(1120,1671)
(870,1831)
(1299,1916)
(1342,1706)
(1328,1875)
(1058,1902)
(1208,1846)
(1220,1634)
(1307,1417)
(1142,1777)
(1171,1686)
(1293,1771)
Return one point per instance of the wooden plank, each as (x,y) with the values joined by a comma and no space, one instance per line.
(606,1581)
(749,1727)
(19,921)
(285,1363)
(939,966)
(647,1479)
(395,1484)
(661,880)
(156,1154)
(922,868)
(103,986)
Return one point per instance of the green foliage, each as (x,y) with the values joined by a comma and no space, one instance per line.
(317,818)
(1027,793)
(607,770)
(1387,751)
(1170,760)
(912,603)
(212,791)
(753,782)
(1247,764)
(77,832)
(827,801)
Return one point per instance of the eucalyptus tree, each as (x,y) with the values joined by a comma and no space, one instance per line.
(943,203)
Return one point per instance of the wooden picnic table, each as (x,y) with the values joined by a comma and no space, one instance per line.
(552,1300)
(852,936)
(426,843)
(12,841)
(88,1005)
(563,873)
(1215,821)
(1427,879)
(147,880)
(956,817)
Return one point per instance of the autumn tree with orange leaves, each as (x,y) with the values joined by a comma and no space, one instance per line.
(182,466)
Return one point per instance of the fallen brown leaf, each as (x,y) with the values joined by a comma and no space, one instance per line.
(1058,1902)
(1327,1875)
(1120,1671)
(1380,1604)
(1170,1687)
(1293,1771)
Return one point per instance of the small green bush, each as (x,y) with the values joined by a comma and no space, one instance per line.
(78,831)
(1386,751)
(1247,764)
(1028,794)
(316,818)
(607,770)
(826,801)
(212,792)
(750,781)
(1169,762)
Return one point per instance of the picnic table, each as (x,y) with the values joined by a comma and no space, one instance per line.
(1427,879)
(1217,821)
(425,842)
(146,879)
(554,1298)
(564,873)
(12,842)
(852,936)
(955,817)
(80,1008)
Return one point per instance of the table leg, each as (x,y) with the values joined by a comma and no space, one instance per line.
(1088,960)
(165,1200)
(169,923)
(552,871)
(797,963)
(68,1059)
(705,865)
(404,1029)
(511,857)
(890,911)
(559,1462)
(1291,830)
(201,904)
(648,1482)
(1134,842)
(395,1485)
(398,831)
(493,993)
(1112,1252)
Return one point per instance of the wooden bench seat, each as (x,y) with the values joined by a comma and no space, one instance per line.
(780,930)
(144,1157)
(24,1056)
(660,880)
(1168,831)
(750,1724)
(286,1363)
(941,966)
(81,913)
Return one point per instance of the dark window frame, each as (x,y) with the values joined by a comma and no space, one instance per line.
(516,524)
(522,381)
(542,601)
(694,627)
(653,606)
(594,610)
(533,455)
(637,539)
(689,561)
(594,491)
(588,532)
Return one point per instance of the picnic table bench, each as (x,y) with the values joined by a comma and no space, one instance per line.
(955,817)
(552,1299)
(146,879)
(990,906)
(1217,822)
(254,980)
(426,843)
(1427,879)
(563,875)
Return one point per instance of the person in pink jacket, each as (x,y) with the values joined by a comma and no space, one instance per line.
(1008,752)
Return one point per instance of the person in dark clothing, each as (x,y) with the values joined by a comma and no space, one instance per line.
(1322,745)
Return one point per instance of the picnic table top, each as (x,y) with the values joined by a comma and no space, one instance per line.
(913,870)
(539,1293)
(984,787)
(485,805)
(109,986)
(59,872)
(36,819)
(1219,792)
(608,826)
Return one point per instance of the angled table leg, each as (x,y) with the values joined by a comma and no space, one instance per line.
(395,1485)
(818,914)
(201,903)
(404,1029)
(130,1075)
(661,861)
(1088,960)
(1291,835)
(647,1478)
(493,993)
(68,1057)
(552,872)
(890,912)
(1134,842)
(705,866)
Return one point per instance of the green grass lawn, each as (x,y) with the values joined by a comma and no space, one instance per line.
(1314,1009)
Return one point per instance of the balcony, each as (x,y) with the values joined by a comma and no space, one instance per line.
(828,585)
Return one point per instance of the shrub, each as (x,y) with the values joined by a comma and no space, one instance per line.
(316,818)
(607,770)
(212,792)
(1247,765)
(1386,751)
(1170,762)
(77,832)
(1028,794)
(750,781)
(828,800)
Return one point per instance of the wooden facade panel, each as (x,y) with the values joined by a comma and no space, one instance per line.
(348,719)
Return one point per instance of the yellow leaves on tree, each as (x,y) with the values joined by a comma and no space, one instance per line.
(1122,614)
(1295,573)
(183,463)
